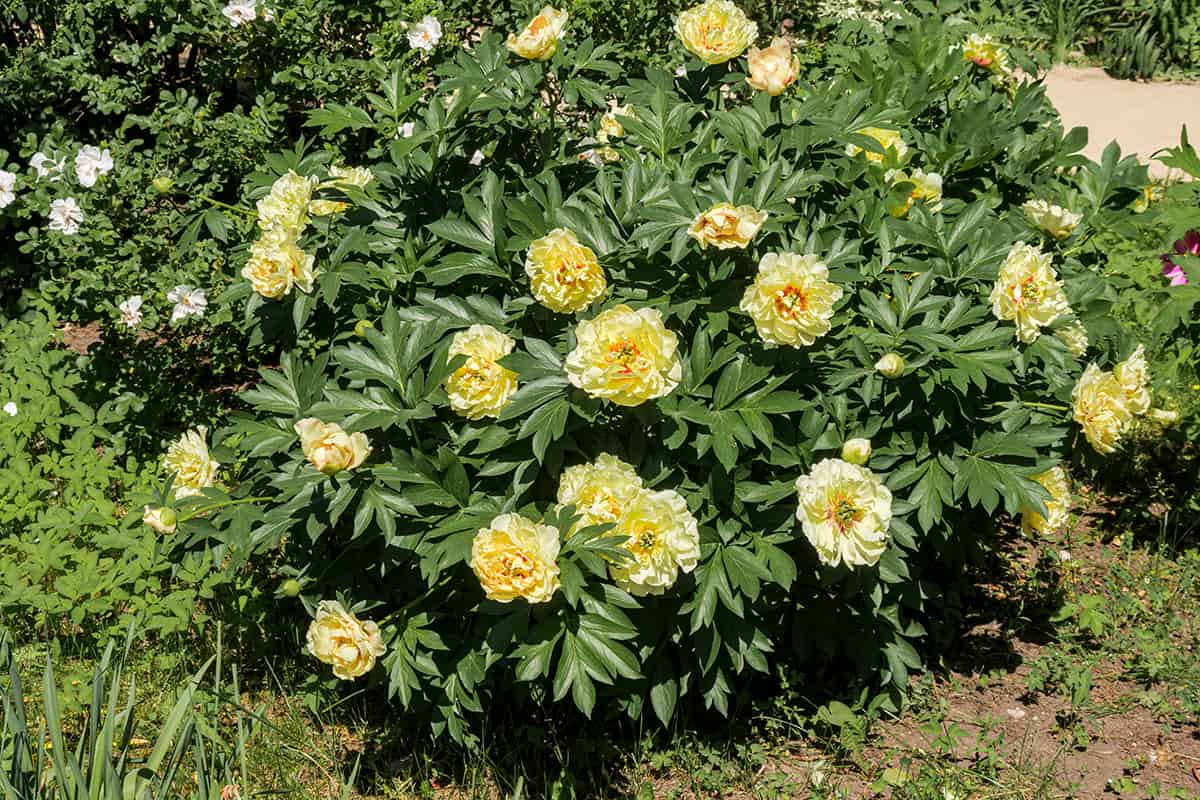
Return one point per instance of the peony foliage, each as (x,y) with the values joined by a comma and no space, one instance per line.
(630,428)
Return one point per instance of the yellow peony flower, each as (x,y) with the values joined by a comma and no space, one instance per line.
(359,177)
(1150,195)
(1101,408)
(1075,338)
(1054,220)
(611,127)
(564,273)
(516,557)
(286,206)
(625,356)
(539,40)
(329,448)
(1058,507)
(161,519)
(1028,292)
(663,540)
(340,639)
(985,52)
(601,491)
(856,451)
(188,459)
(725,226)
(891,365)
(481,387)
(715,31)
(277,264)
(773,69)
(845,511)
(927,187)
(791,300)
(1134,377)
(888,139)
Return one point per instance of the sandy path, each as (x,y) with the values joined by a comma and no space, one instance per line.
(1142,117)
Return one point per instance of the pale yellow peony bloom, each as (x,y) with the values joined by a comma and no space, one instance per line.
(890,140)
(791,300)
(1028,292)
(329,448)
(625,356)
(773,69)
(1075,338)
(1134,377)
(845,511)
(188,459)
(481,387)
(359,177)
(663,540)
(1054,220)
(856,451)
(611,127)
(1058,507)
(985,52)
(286,206)
(601,491)
(1101,408)
(927,188)
(277,264)
(340,639)
(1150,195)
(564,273)
(516,557)
(725,226)
(539,40)
(715,31)
(891,365)
(161,519)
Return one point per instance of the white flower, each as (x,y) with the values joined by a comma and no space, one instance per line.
(188,302)
(8,180)
(131,311)
(407,129)
(476,158)
(425,34)
(10,408)
(239,12)
(681,71)
(46,167)
(268,14)
(91,163)
(66,216)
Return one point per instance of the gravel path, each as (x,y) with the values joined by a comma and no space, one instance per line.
(1142,117)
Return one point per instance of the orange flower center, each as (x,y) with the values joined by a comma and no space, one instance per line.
(538,24)
(1025,292)
(624,353)
(842,514)
(642,542)
(790,301)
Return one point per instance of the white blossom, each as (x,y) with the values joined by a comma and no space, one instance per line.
(10,408)
(476,158)
(66,216)
(425,34)
(91,163)
(189,302)
(131,311)
(46,167)
(406,130)
(8,180)
(239,12)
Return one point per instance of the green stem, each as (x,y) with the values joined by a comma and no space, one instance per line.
(226,206)
(196,512)
(1047,406)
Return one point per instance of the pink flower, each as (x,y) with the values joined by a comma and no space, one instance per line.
(1189,245)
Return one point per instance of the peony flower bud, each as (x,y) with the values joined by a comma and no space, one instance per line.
(163,183)
(329,448)
(291,587)
(162,519)
(362,326)
(856,451)
(891,365)
(1164,416)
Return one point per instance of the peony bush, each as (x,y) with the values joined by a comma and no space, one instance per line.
(623,387)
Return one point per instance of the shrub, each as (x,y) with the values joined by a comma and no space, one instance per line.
(74,557)
(757,281)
